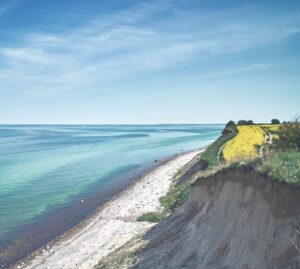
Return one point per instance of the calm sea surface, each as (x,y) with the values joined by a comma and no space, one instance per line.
(46,170)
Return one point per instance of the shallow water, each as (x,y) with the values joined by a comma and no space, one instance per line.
(47,169)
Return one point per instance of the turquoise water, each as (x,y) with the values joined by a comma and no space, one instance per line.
(43,168)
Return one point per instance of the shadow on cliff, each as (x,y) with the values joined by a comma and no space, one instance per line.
(237,218)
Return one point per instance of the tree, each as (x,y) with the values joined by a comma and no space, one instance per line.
(289,135)
(275,121)
(242,122)
(245,122)
(230,124)
(229,128)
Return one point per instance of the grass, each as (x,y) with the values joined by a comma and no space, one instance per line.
(245,145)
(176,196)
(283,165)
(211,154)
(241,148)
(151,217)
(272,128)
(283,159)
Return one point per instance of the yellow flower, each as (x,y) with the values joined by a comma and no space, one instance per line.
(245,145)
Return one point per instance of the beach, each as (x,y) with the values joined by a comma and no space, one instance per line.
(113,224)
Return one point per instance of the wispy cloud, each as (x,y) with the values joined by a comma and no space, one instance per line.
(8,6)
(233,71)
(113,47)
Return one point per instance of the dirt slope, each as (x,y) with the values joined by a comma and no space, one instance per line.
(235,219)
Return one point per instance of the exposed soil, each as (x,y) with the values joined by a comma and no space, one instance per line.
(237,218)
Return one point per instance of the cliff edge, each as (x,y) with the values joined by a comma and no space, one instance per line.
(237,218)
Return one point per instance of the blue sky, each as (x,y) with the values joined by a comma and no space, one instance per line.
(159,61)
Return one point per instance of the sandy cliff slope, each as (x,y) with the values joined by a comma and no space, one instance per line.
(237,218)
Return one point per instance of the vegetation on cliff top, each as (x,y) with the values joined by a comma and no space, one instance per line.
(241,144)
(212,154)
(283,158)
(277,145)
(180,189)
(284,165)
(245,145)
(249,141)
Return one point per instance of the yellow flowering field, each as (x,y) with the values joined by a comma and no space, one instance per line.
(244,145)
(270,127)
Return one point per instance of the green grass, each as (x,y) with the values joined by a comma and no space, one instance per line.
(151,217)
(211,154)
(178,194)
(283,165)
(171,201)
(176,197)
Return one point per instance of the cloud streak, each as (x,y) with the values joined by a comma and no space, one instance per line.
(8,6)
(127,44)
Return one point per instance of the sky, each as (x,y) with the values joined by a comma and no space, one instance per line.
(139,62)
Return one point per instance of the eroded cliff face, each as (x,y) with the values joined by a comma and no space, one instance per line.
(237,218)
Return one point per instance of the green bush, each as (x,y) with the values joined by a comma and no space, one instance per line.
(283,165)
(275,121)
(289,136)
(245,122)
(211,153)
(151,217)
(283,159)
(176,197)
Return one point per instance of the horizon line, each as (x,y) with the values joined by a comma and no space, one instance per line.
(111,124)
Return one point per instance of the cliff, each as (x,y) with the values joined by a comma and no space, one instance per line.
(237,218)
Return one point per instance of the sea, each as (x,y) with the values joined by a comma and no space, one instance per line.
(53,177)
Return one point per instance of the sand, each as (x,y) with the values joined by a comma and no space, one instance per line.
(114,224)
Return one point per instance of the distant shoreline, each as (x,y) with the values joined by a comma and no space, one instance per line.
(47,250)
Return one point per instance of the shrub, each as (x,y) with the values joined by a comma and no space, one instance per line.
(230,124)
(289,135)
(229,128)
(211,153)
(242,122)
(283,161)
(245,122)
(151,217)
(176,197)
(283,165)
(275,121)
